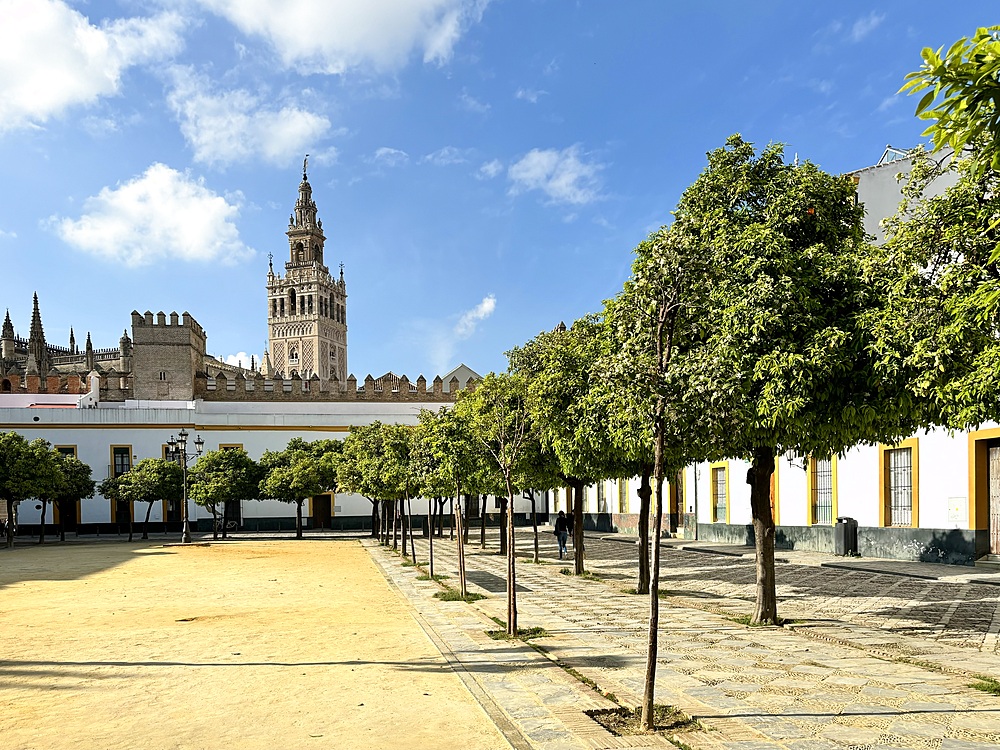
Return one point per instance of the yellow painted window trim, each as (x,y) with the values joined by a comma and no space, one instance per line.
(724,465)
(111,463)
(60,447)
(979,491)
(810,468)
(883,478)
(224,446)
(775,492)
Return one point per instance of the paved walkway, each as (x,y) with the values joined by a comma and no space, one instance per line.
(855,672)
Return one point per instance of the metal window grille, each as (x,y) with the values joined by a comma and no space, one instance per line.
(679,491)
(623,496)
(602,500)
(899,474)
(719,494)
(822,491)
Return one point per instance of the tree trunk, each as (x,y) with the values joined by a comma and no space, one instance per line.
(461,545)
(215,522)
(62,521)
(409,522)
(759,478)
(482,524)
(10,523)
(430,537)
(503,526)
(225,521)
(145,522)
(511,570)
(652,639)
(645,492)
(577,527)
(374,518)
(131,524)
(395,525)
(534,524)
(41,533)
(403,531)
(298,518)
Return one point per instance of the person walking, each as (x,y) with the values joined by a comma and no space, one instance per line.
(562,533)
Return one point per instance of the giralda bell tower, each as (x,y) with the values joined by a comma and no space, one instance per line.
(307,308)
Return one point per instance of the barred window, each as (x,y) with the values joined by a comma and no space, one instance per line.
(602,501)
(719,494)
(899,486)
(623,495)
(822,490)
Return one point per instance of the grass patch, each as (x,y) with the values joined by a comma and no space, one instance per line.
(427,577)
(986,684)
(523,634)
(747,621)
(587,575)
(454,595)
(624,722)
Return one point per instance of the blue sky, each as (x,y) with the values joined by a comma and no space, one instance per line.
(483,168)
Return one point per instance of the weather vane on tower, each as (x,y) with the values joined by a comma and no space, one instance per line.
(305,164)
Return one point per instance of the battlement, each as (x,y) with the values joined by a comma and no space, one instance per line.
(143,323)
(388,388)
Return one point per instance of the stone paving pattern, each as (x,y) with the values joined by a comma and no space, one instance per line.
(874,660)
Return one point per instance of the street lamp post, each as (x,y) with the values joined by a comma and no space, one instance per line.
(177,450)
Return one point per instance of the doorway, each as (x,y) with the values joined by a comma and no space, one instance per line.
(993,492)
(322,512)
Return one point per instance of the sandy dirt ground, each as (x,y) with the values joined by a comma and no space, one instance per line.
(248,645)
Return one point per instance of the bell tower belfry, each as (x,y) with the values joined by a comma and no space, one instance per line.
(307,308)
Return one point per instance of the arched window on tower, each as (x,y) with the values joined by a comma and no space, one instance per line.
(333,308)
(282,300)
(300,253)
(291,301)
(310,304)
(293,356)
(274,308)
(5,386)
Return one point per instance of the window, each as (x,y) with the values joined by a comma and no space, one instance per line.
(291,300)
(679,491)
(274,308)
(898,470)
(282,307)
(602,501)
(821,494)
(623,495)
(163,374)
(67,450)
(293,356)
(310,304)
(720,493)
(121,459)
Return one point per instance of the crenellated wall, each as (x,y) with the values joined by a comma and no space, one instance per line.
(219,387)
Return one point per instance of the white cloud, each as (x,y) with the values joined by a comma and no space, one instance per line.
(443,342)
(391,157)
(490,169)
(562,175)
(240,359)
(320,36)
(446,156)
(53,58)
(865,26)
(162,214)
(471,104)
(234,126)
(529,95)
(7,235)
(466,325)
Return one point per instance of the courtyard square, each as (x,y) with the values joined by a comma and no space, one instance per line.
(249,645)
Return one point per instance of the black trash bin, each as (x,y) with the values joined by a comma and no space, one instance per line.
(845,537)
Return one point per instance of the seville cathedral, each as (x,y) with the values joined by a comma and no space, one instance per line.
(165,358)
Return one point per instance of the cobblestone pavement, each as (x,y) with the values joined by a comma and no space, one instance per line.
(837,679)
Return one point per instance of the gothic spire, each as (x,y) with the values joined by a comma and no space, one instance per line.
(36,338)
(72,341)
(8,327)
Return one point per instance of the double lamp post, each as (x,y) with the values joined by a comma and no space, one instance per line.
(177,451)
